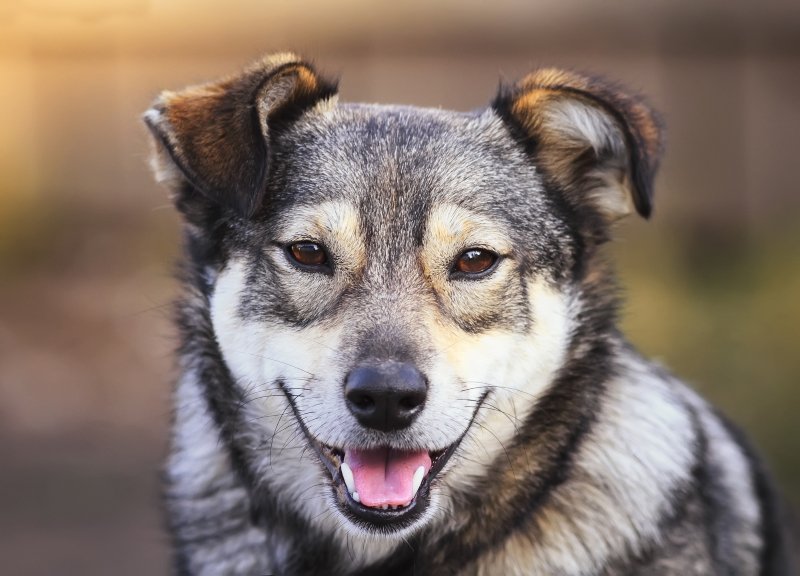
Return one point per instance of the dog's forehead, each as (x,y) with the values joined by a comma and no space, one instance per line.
(393,161)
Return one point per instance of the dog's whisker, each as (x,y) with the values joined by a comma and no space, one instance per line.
(484,385)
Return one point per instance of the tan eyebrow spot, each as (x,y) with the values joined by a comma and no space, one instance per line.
(450,223)
(450,230)
(337,225)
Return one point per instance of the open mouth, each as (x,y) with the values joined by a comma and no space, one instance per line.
(382,486)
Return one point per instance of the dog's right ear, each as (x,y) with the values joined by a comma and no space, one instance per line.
(218,135)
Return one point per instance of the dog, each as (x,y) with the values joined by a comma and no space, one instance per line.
(399,345)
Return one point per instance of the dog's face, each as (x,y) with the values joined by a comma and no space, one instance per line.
(398,278)
(392,288)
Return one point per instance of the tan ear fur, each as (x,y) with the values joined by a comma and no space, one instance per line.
(591,139)
(218,134)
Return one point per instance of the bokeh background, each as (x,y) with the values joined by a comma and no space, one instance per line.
(88,241)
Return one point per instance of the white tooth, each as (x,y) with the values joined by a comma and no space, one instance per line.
(347,476)
(418,475)
(356,497)
(384,507)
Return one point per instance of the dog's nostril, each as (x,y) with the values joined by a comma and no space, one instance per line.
(411,402)
(362,401)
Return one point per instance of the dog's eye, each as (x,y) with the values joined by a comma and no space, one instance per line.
(308,254)
(474,261)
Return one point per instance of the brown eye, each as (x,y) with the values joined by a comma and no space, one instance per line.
(475,261)
(308,254)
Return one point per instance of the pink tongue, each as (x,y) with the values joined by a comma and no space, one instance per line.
(384,476)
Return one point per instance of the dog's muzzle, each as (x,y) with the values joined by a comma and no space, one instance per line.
(383,487)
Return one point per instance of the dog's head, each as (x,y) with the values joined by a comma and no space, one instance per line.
(393,288)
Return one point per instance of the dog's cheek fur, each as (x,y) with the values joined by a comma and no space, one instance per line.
(492,360)
(264,357)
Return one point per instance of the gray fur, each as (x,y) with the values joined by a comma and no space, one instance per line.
(575,455)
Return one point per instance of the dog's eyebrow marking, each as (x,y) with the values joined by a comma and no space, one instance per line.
(333,217)
(451,228)
(336,223)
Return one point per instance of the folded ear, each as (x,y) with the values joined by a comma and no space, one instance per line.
(217,135)
(594,142)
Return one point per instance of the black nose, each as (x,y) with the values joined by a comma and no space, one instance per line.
(385,396)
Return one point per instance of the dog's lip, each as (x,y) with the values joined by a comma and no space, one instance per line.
(332,458)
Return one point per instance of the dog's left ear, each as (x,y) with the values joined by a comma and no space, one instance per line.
(594,142)
(218,135)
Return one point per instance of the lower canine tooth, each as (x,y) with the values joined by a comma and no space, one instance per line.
(347,476)
(356,497)
(417,480)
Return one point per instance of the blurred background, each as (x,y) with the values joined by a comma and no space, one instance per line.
(88,241)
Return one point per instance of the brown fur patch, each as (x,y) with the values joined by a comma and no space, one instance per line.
(628,139)
(218,133)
